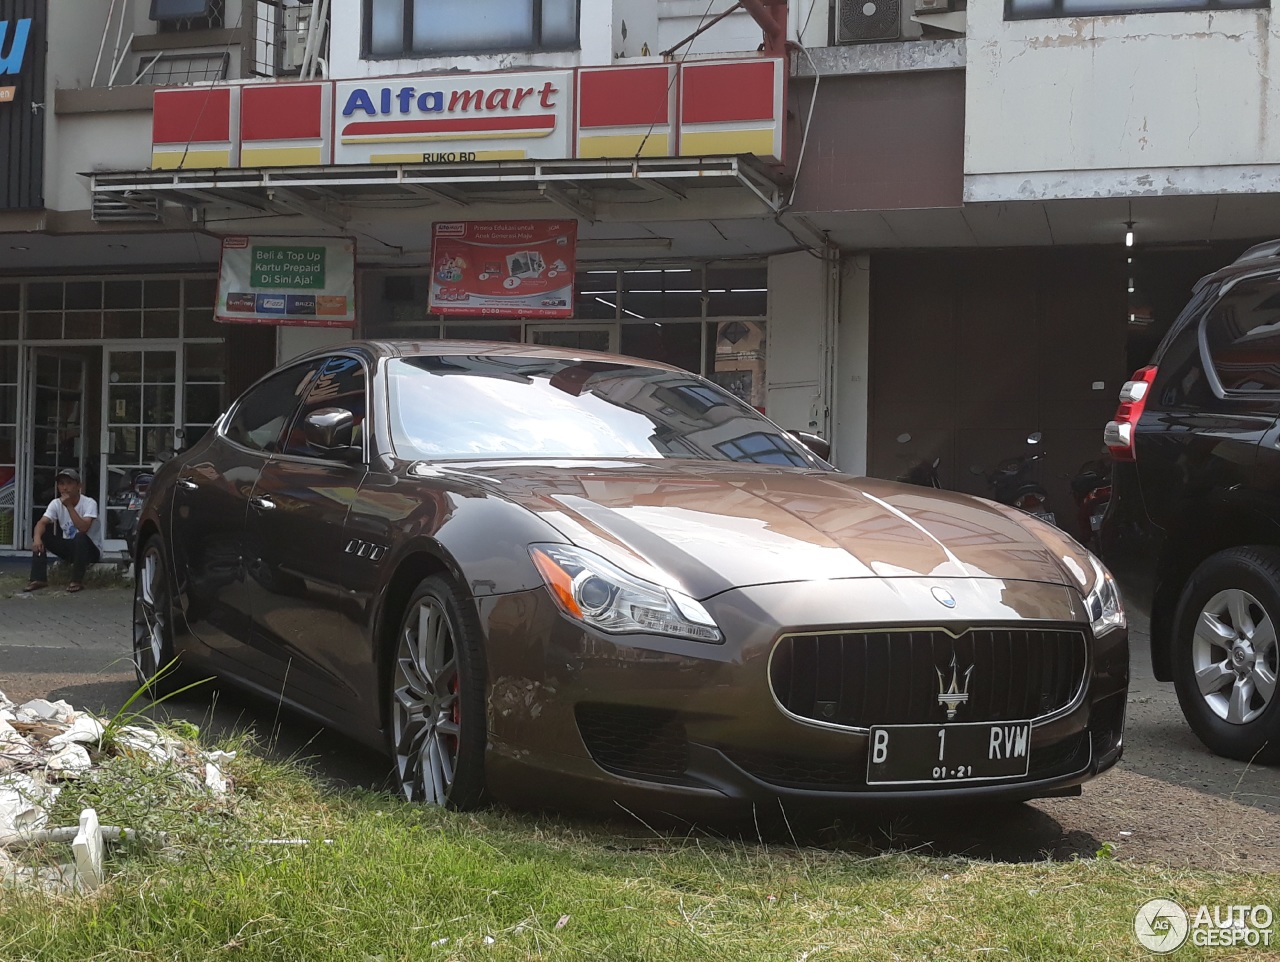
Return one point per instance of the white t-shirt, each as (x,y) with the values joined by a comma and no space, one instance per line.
(86,507)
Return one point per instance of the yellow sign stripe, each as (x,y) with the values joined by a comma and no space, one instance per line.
(623,145)
(707,143)
(191,159)
(281,156)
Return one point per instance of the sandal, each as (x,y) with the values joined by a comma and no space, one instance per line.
(36,585)
(74,587)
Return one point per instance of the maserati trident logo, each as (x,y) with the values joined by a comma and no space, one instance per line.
(956,693)
(944,597)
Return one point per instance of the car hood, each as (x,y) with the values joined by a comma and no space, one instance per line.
(705,527)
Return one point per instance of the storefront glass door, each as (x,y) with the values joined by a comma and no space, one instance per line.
(141,428)
(57,424)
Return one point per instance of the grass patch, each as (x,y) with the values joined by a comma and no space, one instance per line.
(404,882)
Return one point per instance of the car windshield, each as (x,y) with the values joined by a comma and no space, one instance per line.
(460,407)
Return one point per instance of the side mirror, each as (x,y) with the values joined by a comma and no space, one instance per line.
(818,445)
(330,431)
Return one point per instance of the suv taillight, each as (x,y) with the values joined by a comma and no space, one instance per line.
(1118,434)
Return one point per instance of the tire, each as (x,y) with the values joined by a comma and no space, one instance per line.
(436,698)
(153,624)
(1225,653)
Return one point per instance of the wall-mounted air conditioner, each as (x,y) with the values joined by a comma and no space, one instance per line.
(860,21)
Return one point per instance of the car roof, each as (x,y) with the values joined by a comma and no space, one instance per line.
(444,348)
(1258,257)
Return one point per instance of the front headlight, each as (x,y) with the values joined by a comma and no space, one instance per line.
(598,593)
(1106,610)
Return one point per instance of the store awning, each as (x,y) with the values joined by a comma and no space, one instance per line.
(580,187)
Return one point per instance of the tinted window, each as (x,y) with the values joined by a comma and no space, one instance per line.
(339,384)
(262,413)
(1243,336)
(511,407)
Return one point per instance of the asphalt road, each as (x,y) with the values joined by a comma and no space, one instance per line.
(1169,801)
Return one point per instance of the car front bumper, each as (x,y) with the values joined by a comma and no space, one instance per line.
(580,717)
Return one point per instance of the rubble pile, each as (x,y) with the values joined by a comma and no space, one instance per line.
(43,746)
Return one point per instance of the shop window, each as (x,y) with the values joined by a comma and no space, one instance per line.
(396,28)
(1242,333)
(174,16)
(10,304)
(1037,9)
(8,436)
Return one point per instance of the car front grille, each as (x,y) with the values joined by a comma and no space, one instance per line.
(864,678)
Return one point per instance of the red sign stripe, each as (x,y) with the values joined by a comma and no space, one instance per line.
(625,97)
(465,124)
(727,92)
(195,116)
(282,112)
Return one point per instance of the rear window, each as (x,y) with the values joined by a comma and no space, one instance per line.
(1242,334)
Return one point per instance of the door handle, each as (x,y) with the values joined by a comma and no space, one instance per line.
(186,484)
(263,503)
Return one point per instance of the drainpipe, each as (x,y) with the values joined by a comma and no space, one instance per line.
(772,17)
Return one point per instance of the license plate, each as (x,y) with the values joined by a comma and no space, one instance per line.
(1046,516)
(932,754)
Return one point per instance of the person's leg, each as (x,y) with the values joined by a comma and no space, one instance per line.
(83,553)
(54,544)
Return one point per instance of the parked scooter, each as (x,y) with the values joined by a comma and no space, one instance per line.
(923,472)
(1011,483)
(128,498)
(1091,488)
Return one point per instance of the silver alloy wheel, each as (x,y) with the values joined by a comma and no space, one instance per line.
(150,615)
(425,707)
(1234,656)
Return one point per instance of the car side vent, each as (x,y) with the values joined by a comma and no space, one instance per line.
(630,740)
(859,21)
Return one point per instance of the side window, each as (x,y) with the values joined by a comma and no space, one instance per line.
(261,415)
(1242,333)
(340,383)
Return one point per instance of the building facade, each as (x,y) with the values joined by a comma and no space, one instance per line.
(900,225)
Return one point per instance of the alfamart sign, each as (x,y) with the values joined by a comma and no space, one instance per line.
(695,108)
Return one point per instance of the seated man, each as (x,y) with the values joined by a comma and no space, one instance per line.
(69,529)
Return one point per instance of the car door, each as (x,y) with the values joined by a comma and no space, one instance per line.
(295,551)
(211,499)
(1200,433)
(1243,346)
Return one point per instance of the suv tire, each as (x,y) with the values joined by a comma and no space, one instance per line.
(1225,652)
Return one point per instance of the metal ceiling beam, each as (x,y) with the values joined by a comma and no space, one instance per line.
(280,197)
(558,195)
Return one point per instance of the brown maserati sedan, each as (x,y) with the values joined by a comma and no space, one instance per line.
(559,577)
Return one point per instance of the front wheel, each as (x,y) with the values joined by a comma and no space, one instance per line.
(1226,652)
(437,698)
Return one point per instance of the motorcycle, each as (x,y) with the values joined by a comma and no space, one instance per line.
(127,496)
(1091,489)
(1011,483)
(923,472)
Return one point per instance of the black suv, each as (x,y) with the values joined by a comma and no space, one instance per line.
(1194,519)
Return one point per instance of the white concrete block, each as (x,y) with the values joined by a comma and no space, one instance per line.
(88,849)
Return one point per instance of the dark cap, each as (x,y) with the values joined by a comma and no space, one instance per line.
(71,473)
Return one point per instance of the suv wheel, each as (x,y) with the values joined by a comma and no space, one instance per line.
(1226,652)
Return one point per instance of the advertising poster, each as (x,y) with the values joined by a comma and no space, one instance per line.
(503,269)
(298,281)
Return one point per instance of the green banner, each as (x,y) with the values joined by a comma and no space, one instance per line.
(291,268)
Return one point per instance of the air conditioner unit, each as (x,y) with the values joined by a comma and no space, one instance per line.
(294,37)
(859,21)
